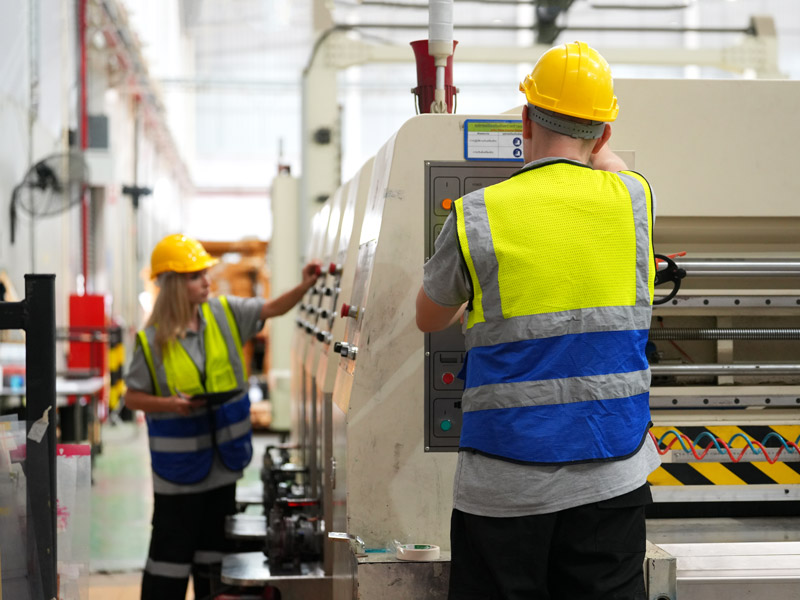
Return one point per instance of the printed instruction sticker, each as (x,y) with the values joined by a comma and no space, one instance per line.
(493,140)
(39,428)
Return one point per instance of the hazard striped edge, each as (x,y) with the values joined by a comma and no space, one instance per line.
(727,473)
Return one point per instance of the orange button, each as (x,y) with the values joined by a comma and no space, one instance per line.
(447,203)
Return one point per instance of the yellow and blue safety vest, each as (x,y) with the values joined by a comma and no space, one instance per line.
(562,268)
(182,448)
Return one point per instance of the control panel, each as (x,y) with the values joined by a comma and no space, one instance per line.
(445,182)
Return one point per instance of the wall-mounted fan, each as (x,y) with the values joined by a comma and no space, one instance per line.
(51,186)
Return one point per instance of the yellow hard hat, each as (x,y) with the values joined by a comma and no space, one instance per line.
(180,254)
(572,79)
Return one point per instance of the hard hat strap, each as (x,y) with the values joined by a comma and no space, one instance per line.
(564,126)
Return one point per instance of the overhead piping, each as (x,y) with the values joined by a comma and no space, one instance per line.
(84,142)
(749,30)
(128,51)
(440,46)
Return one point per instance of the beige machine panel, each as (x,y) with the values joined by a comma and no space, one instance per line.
(713,147)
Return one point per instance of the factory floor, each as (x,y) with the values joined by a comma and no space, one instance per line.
(122,505)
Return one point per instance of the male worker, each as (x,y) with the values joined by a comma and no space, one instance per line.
(556,265)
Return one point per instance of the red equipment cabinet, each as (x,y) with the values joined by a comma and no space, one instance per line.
(88,352)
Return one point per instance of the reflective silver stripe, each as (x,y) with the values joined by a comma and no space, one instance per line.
(166,569)
(583,320)
(639,205)
(556,391)
(158,365)
(481,249)
(233,354)
(231,432)
(180,444)
(206,557)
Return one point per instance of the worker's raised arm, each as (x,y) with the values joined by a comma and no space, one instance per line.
(284,303)
(435,317)
(606,160)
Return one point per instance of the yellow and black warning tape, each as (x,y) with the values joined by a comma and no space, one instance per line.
(116,360)
(772,451)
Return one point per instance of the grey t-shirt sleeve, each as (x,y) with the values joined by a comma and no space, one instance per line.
(138,377)
(246,312)
(445,278)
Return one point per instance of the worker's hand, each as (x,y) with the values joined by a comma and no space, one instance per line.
(310,273)
(606,160)
(183,405)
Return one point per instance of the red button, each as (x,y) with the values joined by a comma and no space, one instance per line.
(332,269)
(345,309)
(448,378)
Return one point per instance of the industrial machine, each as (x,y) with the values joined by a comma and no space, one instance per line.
(297,498)
(290,478)
(724,351)
(387,489)
(725,405)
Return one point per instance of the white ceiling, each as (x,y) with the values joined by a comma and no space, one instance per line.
(244,67)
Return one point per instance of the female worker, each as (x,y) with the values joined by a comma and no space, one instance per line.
(188,376)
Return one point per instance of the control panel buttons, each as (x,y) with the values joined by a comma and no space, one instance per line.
(341,348)
(350,310)
(445,418)
(445,188)
(445,367)
(345,349)
(324,336)
(335,269)
(447,204)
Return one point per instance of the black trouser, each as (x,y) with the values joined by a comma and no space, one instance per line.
(188,538)
(591,552)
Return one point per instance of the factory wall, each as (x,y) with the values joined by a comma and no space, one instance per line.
(40,108)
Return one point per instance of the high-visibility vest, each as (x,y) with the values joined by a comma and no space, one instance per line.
(182,447)
(562,268)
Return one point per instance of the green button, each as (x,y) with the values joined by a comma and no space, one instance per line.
(446,425)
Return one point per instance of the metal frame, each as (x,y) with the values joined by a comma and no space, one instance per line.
(37,317)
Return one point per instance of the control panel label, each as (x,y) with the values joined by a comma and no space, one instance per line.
(493,140)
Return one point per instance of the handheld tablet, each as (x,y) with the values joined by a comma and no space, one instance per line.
(217,398)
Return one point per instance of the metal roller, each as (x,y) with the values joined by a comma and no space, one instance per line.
(734,333)
(736,267)
(736,369)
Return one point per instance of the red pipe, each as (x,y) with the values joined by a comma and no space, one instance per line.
(84,124)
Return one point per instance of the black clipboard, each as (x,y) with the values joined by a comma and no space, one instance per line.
(217,398)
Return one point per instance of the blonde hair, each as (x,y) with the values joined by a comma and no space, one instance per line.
(172,311)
